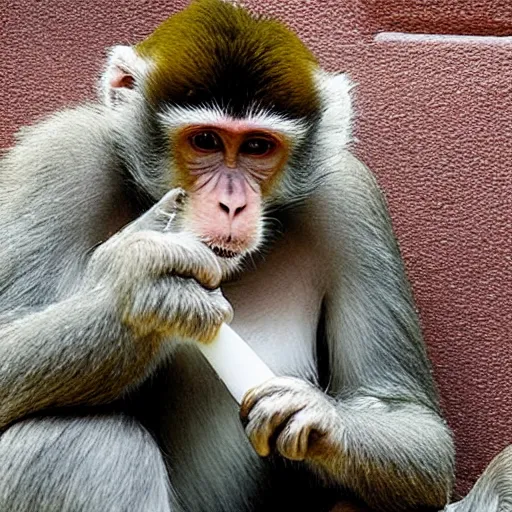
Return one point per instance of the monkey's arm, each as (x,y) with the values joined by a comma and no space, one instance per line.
(393,448)
(69,353)
(56,185)
(90,347)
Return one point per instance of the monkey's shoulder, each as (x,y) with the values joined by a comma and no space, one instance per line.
(61,163)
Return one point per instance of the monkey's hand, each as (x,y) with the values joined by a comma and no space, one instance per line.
(292,417)
(160,282)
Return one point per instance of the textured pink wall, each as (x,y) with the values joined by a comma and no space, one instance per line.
(476,17)
(434,123)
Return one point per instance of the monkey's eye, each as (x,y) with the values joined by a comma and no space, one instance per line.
(257,146)
(206,141)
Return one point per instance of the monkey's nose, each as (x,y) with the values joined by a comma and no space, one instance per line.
(232,210)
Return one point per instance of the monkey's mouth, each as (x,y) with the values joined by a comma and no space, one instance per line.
(222,252)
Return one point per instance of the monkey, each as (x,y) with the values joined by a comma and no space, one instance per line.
(211,182)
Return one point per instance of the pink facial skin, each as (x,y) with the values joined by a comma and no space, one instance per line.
(227,169)
(226,210)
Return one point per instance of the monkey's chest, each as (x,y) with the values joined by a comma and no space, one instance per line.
(280,323)
(277,307)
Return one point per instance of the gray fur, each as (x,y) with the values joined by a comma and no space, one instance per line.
(83,464)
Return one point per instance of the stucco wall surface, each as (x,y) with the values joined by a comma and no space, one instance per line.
(434,122)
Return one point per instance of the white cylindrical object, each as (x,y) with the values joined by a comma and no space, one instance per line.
(235,362)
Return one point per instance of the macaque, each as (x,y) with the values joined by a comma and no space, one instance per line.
(210,183)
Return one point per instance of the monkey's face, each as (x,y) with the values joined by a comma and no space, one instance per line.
(224,105)
(227,167)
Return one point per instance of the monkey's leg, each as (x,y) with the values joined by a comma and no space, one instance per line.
(104,463)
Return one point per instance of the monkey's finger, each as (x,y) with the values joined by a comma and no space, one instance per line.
(189,257)
(250,400)
(149,254)
(201,312)
(162,215)
(266,420)
(277,385)
(182,254)
(247,404)
(260,429)
(176,305)
(259,436)
(293,441)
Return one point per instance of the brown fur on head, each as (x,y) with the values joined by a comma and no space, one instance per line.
(216,54)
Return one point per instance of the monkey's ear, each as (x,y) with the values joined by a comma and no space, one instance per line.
(336,122)
(122,80)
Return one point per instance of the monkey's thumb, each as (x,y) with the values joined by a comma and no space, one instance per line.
(493,490)
(162,216)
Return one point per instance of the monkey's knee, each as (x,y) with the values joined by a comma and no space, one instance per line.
(89,464)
